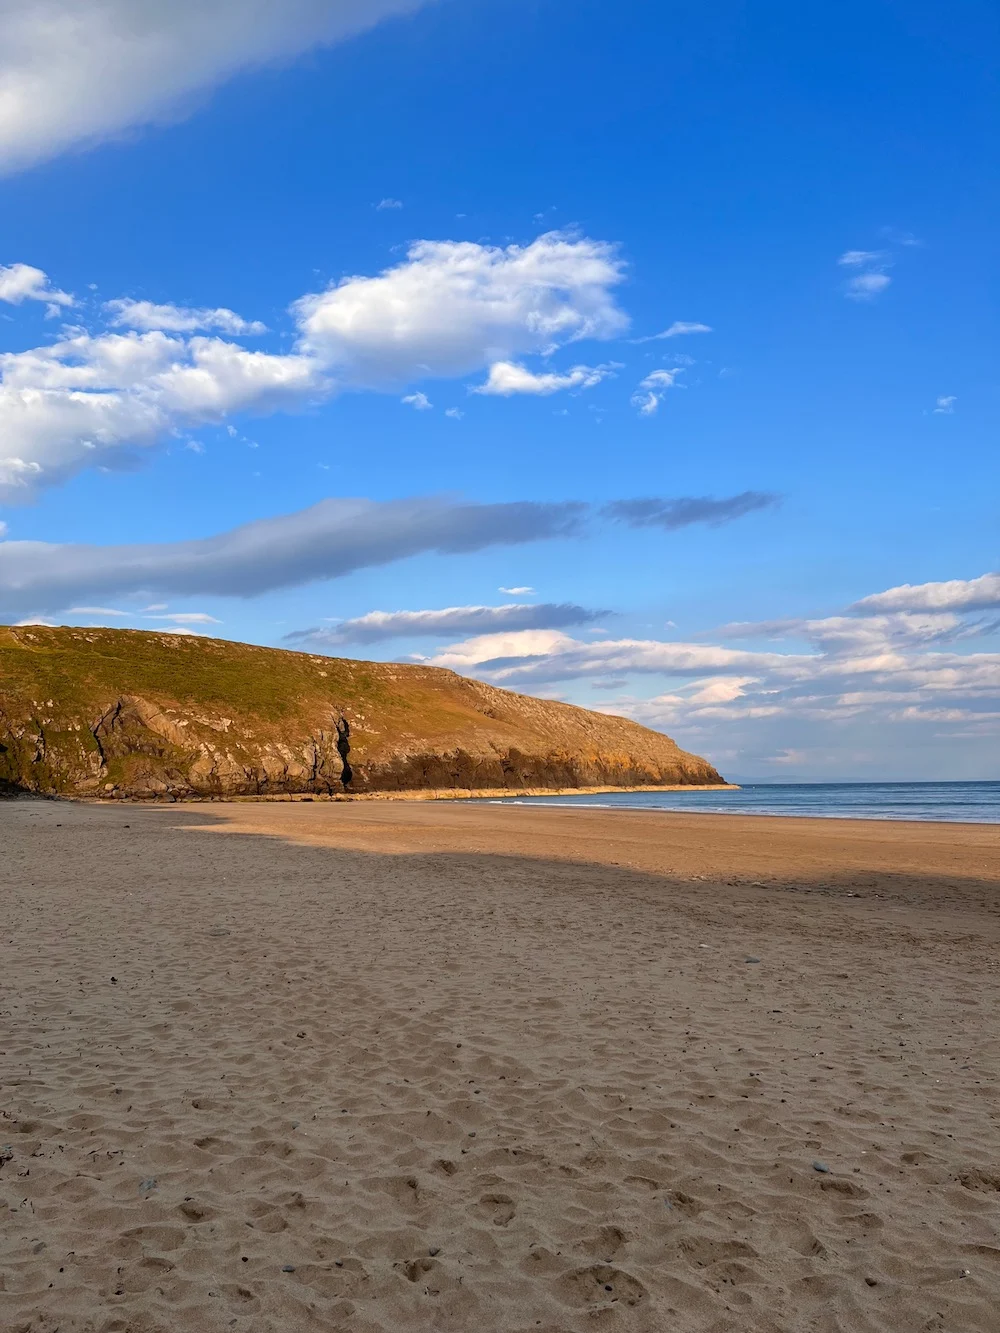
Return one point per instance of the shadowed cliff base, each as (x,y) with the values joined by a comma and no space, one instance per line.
(136,714)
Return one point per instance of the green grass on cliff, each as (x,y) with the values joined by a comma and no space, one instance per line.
(72,666)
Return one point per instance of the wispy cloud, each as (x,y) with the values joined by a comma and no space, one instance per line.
(652,389)
(679,328)
(855,258)
(873,279)
(945,405)
(671,514)
(418,400)
(859,633)
(898,237)
(188,618)
(450,622)
(866,286)
(517,592)
(384,204)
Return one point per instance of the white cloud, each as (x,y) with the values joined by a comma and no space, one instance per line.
(449,308)
(83,400)
(857,258)
(945,405)
(96,611)
(455,413)
(453,306)
(550,655)
(866,286)
(328,540)
(22,282)
(449,622)
(651,390)
(75,72)
(147,316)
(510,377)
(516,592)
(677,329)
(720,689)
(418,400)
(384,204)
(953,595)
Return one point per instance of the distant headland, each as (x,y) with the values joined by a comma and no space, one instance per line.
(130,714)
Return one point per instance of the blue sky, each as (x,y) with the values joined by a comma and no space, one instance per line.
(491,210)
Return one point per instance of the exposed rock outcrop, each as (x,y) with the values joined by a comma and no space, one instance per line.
(134,714)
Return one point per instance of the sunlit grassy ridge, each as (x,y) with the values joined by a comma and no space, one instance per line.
(129,712)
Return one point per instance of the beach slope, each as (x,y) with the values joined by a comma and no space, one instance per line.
(422,1066)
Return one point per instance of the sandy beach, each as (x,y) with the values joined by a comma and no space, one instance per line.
(426,1066)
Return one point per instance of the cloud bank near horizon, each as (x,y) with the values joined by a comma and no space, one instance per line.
(876,668)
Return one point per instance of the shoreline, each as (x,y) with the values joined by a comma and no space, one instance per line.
(417,794)
(804,850)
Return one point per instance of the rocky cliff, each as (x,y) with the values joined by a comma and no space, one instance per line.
(126,713)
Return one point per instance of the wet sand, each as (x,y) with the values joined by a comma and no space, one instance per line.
(404,1065)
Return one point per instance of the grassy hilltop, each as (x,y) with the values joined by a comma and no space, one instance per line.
(130,713)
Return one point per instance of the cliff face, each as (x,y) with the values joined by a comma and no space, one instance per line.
(100,712)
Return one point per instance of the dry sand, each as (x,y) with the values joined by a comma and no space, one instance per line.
(412,1066)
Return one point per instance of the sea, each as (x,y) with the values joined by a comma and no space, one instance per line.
(951,802)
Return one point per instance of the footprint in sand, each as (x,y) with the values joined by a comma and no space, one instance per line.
(601,1284)
(497,1208)
(606,1244)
